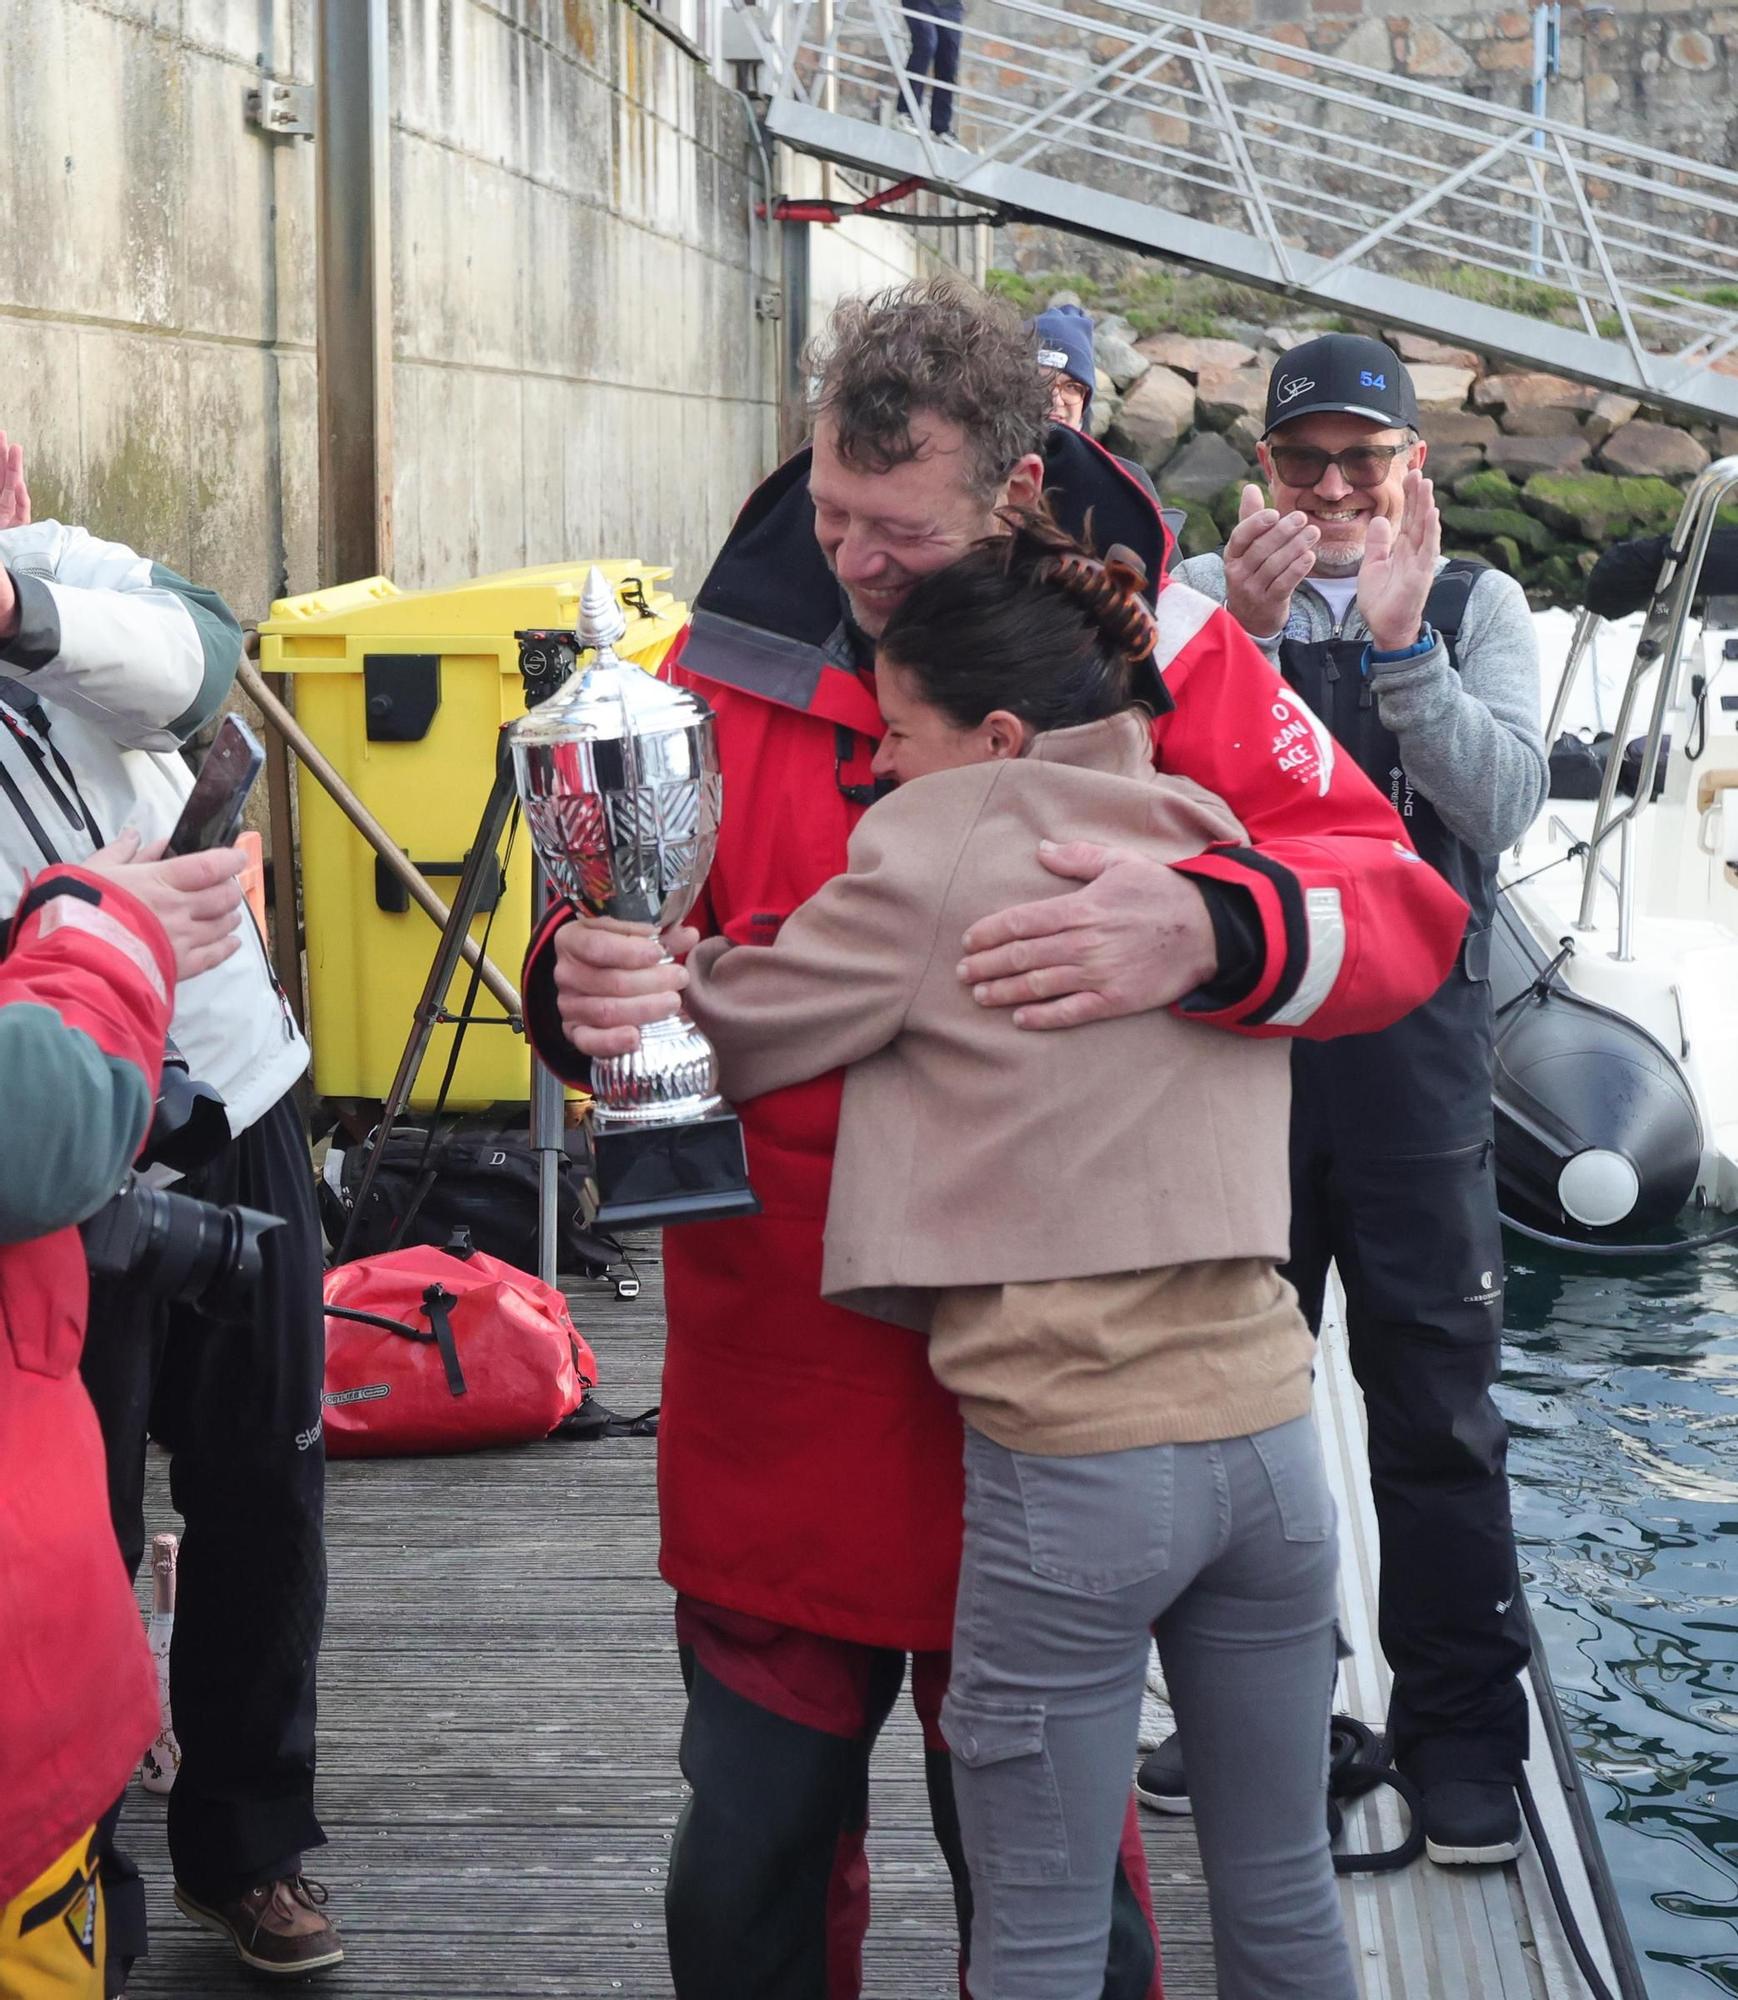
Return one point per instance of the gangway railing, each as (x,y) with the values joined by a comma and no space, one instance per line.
(1347,187)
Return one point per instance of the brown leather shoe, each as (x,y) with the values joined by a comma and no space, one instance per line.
(280,1927)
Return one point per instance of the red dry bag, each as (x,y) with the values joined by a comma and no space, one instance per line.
(428,1352)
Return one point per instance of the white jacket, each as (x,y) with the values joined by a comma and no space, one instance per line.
(125,660)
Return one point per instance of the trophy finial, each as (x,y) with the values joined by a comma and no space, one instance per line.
(601,619)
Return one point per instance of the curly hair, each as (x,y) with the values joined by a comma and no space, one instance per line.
(938,346)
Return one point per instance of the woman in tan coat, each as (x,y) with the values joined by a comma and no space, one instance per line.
(1087,1225)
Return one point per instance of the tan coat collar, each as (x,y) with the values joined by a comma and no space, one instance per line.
(1121,744)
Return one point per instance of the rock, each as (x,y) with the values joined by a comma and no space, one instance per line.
(1529,388)
(1286,337)
(1115,324)
(1200,536)
(1117,357)
(1427,51)
(1541,420)
(1449,462)
(1641,450)
(1156,415)
(1065,298)
(1228,503)
(1484,524)
(1224,394)
(1189,357)
(1105,405)
(1244,434)
(1505,553)
(1442,427)
(1417,347)
(1522,457)
(1610,413)
(1557,579)
(1440,388)
(1202,470)
(1487,489)
(1727,438)
(1598,508)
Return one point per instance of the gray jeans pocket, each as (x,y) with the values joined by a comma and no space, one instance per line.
(1098,1523)
(1010,1807)
(1291,1454)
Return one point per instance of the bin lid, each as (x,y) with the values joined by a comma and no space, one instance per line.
(485,607)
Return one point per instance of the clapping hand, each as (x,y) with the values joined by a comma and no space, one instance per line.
(1399,567)
(1267,556)
(14,494)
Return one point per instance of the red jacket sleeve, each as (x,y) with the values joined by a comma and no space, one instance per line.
(99,959)
(1356,929)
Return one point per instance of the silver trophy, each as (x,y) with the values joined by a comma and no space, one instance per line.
(618,775)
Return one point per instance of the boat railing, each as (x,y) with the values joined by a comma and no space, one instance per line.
(1661,646)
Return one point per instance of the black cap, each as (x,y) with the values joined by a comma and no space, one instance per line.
(1347,373)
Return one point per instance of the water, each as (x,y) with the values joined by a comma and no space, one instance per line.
(1621,1388)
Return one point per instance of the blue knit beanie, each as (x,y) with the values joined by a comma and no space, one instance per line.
(1065,342)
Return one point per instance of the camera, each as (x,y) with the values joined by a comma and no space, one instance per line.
(546,658)
(177,1247)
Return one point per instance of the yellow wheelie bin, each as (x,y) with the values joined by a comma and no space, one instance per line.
(406,692)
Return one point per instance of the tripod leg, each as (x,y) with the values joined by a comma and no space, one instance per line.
(479,864)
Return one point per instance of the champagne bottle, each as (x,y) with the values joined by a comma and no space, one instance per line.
(162,1758)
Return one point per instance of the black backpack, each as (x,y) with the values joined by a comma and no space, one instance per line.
(478,1175)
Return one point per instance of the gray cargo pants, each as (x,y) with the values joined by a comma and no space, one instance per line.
(1226,1552)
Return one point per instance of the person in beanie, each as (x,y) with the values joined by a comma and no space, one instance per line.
(1427,673)
(1065,353)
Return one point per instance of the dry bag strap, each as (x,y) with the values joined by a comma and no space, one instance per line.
(436,1303)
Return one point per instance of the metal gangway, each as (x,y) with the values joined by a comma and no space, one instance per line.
(1341,186)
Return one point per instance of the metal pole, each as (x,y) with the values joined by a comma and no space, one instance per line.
(1547,36)
(377,837)
(548,1121)
(353,285)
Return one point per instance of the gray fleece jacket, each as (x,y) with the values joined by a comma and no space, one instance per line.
(1470,741)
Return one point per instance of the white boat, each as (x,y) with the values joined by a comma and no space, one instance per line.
(1615,954)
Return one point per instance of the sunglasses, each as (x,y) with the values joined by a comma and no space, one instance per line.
(1361,465)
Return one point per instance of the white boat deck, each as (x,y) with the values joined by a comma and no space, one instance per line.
(1429,1933)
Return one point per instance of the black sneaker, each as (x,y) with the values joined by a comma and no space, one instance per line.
(1159,1782)
(1471,1822)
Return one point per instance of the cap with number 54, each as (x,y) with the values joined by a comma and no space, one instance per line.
(1345,373)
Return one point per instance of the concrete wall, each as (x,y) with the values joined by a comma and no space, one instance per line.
(579,363)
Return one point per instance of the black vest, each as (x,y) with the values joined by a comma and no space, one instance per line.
(1329,674)
(1424,1082)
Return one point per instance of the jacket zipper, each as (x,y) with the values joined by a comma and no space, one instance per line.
(284,1008)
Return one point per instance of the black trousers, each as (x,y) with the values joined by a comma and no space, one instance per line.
(766,1866)
(238,1407)
(1394,1180)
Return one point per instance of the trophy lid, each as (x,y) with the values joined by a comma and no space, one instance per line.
(613,699)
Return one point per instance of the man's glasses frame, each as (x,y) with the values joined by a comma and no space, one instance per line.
(1361,466)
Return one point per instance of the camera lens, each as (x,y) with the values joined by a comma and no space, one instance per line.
(177,1247)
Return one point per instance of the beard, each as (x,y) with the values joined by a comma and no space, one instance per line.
(1345,560)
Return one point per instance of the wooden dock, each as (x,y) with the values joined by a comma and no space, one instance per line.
(499,1713)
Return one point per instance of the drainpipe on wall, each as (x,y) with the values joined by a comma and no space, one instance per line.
(353,284)
(1547,63)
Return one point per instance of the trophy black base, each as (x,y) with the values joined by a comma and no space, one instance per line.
(651,1176)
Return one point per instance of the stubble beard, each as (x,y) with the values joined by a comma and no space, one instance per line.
(1338,562)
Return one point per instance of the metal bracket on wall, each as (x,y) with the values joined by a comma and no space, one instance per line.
(796,208)
(282,110)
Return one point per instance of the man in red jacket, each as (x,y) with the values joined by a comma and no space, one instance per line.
(809,1471)
(85,990)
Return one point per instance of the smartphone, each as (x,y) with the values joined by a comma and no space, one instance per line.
(212,815)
